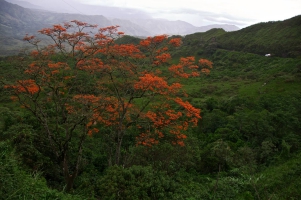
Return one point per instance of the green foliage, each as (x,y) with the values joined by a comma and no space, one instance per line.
(203,37)
(136,182)
(202,44)
(280,38)
(15,183)
(281,181)
(127,39)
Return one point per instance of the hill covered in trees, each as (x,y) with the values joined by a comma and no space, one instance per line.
(279,38)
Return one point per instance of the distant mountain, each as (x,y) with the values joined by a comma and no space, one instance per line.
(25,4)
(162,26)
(226,27)
(130,22)
(29,21)
(137,16)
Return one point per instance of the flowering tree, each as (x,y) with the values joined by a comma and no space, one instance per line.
(84,81)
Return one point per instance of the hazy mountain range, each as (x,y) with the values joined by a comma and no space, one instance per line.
(130,22)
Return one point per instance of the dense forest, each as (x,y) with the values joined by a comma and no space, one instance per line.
(103,115)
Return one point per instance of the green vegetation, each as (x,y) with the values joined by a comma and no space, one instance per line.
(246,146)
(280,39)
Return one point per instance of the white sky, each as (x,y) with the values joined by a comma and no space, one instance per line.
(198,12)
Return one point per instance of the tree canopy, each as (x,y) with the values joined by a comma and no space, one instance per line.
(84,83)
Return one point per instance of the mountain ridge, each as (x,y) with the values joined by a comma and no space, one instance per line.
(142,26)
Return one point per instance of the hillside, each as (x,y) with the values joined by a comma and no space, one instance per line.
(279,38)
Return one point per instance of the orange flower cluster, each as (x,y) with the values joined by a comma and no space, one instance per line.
(25,86)
(107,111)
(156,84)
(176,42)
(58,28)
(159,39)
(153,40)
(102,110)
(161,120)
(126,50)
(162,50)
(191,111)
(34,53)
(178,71)
(34,68)
(187,61)
(205,71)
(110,30)
(92,131)
(205,64)
(46,31)
(92,65)
(70,109)
(173,115)
(157,120)
(50,72)
(151,82)
(178,142)
(58,65)
(186,68)
(145,43)
(86,99)
(168,121)
(145,140)
(27,37)
(179,137)
(162,58)
(81,24)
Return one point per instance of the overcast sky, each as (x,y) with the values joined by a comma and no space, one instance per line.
(197,12)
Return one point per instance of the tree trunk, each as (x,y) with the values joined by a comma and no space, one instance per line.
(69,181)
(69,178)
(120,135)
(118,150)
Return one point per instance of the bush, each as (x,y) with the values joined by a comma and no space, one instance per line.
(16,183)
(136,182)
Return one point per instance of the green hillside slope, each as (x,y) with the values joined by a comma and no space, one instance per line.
(281,38)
